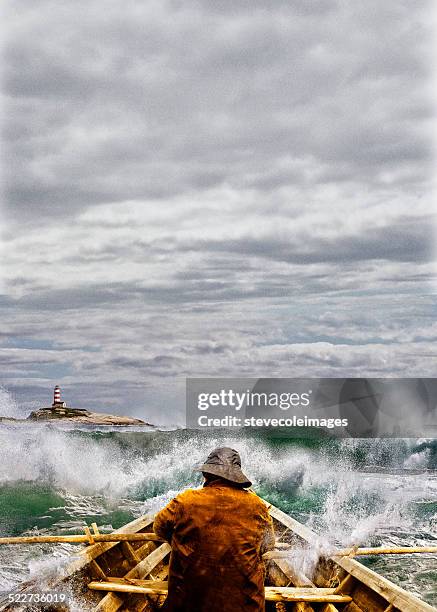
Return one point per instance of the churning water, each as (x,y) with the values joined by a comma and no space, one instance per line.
(364,492)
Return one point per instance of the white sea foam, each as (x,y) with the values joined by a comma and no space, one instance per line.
(140,474)
(9,407)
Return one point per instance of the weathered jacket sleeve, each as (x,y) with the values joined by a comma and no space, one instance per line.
(165,520)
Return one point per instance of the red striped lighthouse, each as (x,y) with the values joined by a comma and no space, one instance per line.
(57,396)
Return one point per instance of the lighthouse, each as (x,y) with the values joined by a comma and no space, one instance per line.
(57,401)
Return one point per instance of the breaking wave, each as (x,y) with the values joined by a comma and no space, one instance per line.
(352,491)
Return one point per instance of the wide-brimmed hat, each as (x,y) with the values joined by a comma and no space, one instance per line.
(226,463)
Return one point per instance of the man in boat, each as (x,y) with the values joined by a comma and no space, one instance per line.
(218,535)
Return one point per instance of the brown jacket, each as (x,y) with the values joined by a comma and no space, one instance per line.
(218,535)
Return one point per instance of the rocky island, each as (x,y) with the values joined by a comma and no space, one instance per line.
(61,412)
(78,415)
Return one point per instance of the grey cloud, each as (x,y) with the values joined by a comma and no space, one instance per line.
(214,188)
(133,354)
(73,298)
(409,239)
(158,102)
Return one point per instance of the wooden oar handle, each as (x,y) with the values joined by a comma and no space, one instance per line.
(402,550)
(351,552)
(80,539)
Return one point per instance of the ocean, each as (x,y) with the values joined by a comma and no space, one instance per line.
(56,479)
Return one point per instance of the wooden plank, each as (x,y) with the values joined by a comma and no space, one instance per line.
(129,553)
(88,535)
(327,573)
(145,602)
(95,528)
(145,566)
(88,538)
(346,585)
(297,579)
(392,593)
(299,594)
(328,608)
(114,562)
(97,571)
(152,603)
(302,606)
(388,590)
(287,550)
(163,573)
(352,607)
(276,576)
(381,550)
(368,599)
(145,550)
(112,602)
(301,530)
(92,552)
(151,587)
(155,587)
(89,553)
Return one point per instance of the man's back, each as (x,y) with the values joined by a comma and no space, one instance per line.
(218,534)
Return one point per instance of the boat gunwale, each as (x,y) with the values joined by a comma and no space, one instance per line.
(393,594)
(93,551)
(388,590)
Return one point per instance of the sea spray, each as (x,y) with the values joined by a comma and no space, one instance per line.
(9,407)
(350,492)
(67,461)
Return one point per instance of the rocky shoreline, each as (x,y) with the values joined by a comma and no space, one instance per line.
(75,415)
(60,412)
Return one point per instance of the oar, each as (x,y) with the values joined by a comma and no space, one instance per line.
(79,539)
(89,538)
(401,550)
(352,552)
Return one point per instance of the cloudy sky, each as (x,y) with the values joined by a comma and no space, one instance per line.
(213,188)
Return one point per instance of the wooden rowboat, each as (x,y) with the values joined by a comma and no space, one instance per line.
(131,576)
